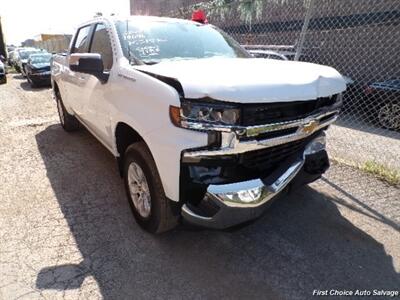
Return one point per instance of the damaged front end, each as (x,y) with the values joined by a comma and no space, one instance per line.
(241,171)
(230,191)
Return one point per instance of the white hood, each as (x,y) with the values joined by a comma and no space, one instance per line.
(250,80)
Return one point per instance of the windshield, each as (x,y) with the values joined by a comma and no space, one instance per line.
(40,58)
(153,41)
(25,54)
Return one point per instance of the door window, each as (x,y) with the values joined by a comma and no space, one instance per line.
(101,44)
(81,41)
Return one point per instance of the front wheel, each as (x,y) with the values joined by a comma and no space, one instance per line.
(150,206)
(389,116)
(23,71)
(30,81)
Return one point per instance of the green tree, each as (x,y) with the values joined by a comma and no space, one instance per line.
(249,10)
(220,8)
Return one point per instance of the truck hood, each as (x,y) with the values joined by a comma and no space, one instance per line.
(250,80)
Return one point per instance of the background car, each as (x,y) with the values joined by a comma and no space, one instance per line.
(384,96)
(10,57)
(268,54)
(3,78)
(38,69)
(23,56)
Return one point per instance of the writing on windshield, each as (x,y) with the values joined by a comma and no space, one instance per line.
(154,41)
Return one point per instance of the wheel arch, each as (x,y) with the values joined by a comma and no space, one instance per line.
(125,135)
(55,86)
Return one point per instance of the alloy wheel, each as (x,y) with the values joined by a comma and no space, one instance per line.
(389,116)
(139,190)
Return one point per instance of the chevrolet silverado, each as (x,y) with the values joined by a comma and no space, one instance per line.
(201,130)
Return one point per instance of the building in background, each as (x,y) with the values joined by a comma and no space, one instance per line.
(158,7)
(53,43)
(50,36)
(28,43)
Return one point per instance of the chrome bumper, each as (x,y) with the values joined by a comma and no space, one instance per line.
(232,142)
(244,201)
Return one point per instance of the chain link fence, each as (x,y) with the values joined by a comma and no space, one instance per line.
(361,39)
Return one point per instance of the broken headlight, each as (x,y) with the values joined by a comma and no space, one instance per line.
(197,115)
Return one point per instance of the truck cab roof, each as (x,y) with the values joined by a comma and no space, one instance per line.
(113,19)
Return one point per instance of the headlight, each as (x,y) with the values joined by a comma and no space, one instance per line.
(202,115)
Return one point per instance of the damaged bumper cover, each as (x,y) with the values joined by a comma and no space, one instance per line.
(227,205)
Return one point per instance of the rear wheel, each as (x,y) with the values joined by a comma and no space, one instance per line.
(68,122)
(150,206)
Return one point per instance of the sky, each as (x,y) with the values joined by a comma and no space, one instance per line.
(24,19)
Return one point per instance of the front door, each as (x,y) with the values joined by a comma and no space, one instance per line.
(76,82)
(96,110)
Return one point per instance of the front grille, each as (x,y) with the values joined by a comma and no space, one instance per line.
(242,167)
(260,114)
(270,134)
(268,158)
(40,70)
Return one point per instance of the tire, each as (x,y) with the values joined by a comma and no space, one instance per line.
(68,122)
(157,216)
(31,82)
(389,116)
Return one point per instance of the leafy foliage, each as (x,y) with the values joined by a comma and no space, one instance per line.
(249,9)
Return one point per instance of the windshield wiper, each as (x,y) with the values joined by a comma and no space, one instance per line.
(151,62)
(133,60)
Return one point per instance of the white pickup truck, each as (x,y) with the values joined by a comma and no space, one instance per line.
(201,130)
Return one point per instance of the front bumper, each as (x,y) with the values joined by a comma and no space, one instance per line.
(227,205)
(40,78)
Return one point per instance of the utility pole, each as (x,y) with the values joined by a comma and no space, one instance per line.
(304,29)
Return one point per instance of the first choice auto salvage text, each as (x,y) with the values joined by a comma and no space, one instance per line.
(376,292)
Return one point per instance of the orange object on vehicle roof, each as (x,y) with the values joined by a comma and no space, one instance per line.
(199,16)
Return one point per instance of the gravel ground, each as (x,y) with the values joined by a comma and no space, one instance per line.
(357,142)
(66,231)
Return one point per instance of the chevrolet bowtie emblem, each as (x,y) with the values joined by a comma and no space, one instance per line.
(310,126)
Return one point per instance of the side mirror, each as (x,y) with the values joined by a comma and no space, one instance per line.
(88,63)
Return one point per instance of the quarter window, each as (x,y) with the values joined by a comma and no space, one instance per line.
(81,41)
(101,44)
